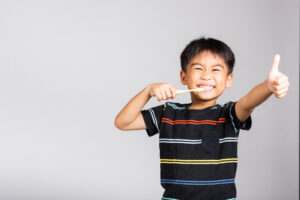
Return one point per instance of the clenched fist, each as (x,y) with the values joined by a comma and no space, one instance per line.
(162,91)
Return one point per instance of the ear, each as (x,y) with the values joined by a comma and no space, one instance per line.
(229,78)
(183,77)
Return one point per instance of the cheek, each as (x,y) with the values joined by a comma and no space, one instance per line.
(221,82)
(192,78)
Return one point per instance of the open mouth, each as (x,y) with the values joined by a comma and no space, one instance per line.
(206,87)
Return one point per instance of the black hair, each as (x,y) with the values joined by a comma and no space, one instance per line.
(210,44)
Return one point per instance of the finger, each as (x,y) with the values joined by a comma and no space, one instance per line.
(172,92)
(168,93)
(282,95)
(275,64)
(278,93)
(280,79)
(158,95)
(163,95)
(281,86)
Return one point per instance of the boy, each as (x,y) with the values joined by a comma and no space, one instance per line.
(198,140)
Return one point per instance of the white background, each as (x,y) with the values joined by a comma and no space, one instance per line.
(68,67)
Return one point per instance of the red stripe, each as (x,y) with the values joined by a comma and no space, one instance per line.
(190,121)
(187,122)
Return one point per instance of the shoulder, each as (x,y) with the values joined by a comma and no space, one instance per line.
(227,108)
(228,104)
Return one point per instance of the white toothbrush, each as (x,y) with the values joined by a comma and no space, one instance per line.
(183,91)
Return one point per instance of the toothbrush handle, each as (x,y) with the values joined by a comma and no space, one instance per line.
(183,91)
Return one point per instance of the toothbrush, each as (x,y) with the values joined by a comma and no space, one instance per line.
(183,91)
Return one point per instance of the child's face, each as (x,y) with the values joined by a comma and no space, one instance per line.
(207,70)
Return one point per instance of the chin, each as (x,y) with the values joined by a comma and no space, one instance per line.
(206,99)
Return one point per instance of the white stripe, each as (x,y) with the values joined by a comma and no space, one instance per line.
(183,142)
(232,119)
(173,139)
(189,141)
(154,118)
(228,141)
(179,139)
(180,142)
(225,138)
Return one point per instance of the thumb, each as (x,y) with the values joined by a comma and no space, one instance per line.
(274,69)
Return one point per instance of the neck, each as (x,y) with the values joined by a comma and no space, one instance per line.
(201,104)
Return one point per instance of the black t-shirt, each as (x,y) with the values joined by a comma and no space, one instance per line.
(198,149)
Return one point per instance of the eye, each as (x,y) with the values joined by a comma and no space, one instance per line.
(216,70)
(198,68)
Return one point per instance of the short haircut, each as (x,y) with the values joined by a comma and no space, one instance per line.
(210,44)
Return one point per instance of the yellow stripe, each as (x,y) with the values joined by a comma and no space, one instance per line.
(203,163)
(199,160)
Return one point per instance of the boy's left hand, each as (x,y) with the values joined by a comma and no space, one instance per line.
(277,82)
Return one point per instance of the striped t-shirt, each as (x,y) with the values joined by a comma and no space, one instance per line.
(198,149)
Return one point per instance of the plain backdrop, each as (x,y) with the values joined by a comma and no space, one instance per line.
(68,67)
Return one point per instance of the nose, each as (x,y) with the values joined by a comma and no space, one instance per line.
(205,76)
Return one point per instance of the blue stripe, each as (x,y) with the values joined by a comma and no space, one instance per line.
(178,183)
(221,180)
(184,182)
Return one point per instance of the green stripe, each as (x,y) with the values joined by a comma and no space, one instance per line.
(175,107)
(169,198)
(164,198)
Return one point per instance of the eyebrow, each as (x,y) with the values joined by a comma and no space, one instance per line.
(203,65)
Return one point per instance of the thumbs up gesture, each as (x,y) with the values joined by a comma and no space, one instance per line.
(277,82)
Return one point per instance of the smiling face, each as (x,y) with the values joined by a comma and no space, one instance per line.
(209,71)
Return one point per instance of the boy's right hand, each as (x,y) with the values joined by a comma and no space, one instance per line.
(162,91)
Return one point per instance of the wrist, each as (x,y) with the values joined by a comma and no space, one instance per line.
(147,91)
(268,86)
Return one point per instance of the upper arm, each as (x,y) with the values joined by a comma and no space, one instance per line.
(137,124)
(242,113)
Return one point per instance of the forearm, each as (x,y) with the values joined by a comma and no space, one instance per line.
(256,96)
(130,112)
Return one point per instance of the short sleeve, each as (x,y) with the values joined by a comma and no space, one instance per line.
(245,125)
(152,118)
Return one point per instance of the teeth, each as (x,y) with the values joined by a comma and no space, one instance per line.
(206,87)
